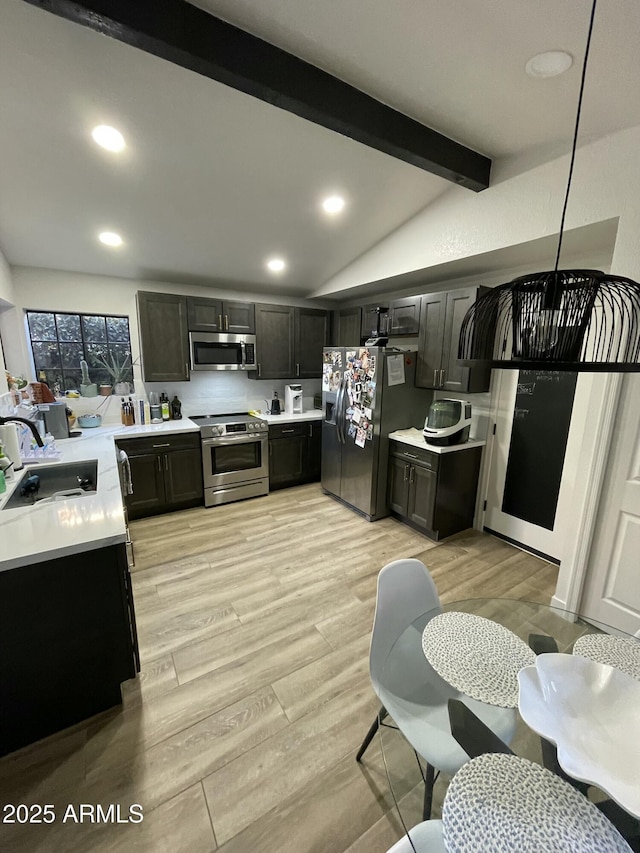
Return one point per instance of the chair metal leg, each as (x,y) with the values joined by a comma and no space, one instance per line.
(382,713)
(429,778)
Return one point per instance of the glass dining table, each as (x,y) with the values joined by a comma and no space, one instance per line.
(588,703)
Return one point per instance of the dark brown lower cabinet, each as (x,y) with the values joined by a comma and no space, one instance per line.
(166,472)
(294,453)
(67,641)
(434,492)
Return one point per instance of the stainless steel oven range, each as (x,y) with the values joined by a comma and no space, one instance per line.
(235,457)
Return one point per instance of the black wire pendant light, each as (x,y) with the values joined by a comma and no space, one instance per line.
(578,320)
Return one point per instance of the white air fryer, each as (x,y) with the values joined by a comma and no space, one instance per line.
(448,422)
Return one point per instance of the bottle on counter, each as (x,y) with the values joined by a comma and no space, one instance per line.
(123,413)
(176,409)
(132,411)
(164,405)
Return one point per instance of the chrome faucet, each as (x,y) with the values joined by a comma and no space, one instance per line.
(29,423)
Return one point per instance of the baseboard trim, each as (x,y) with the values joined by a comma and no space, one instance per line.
(523,547)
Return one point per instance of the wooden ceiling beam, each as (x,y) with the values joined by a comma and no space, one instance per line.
(179,32)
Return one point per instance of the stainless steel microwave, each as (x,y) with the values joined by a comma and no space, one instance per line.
(222,351)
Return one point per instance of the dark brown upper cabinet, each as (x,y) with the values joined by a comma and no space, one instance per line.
(404,316)
(218,315)
(289,342)
(440,321)
(164,339)
(311,335)
(347,326)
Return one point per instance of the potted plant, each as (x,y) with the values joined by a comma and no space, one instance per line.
(118,369)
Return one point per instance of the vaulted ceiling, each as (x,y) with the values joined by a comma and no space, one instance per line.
(214,181)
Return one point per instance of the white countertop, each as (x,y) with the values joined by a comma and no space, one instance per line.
(311,415)
(415,438)
(54,529)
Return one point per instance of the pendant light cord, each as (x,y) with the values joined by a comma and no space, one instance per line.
(575,132)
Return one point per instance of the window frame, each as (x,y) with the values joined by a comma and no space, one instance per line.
(67,378)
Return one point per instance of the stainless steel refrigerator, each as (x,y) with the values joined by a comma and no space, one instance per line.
(367,392)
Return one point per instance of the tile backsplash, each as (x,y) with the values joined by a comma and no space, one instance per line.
(222,392)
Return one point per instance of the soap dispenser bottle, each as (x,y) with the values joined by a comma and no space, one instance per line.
(275,404)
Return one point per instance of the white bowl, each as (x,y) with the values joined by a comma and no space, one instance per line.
(591,712)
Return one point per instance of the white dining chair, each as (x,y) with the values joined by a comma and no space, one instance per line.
(410,690)
(426,837)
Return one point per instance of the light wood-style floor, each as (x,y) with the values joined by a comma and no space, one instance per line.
(241,732)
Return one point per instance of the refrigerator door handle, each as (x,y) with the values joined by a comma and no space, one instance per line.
(340,415)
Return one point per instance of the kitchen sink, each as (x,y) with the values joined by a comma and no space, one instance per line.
(62,481)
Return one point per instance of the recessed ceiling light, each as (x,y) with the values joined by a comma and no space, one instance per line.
(333,204)
(108,137)
(110,238)
(549,64)
(276,265)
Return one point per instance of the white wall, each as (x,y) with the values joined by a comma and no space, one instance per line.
(6,301)
(57,290)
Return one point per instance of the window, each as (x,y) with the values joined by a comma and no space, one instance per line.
(59,343)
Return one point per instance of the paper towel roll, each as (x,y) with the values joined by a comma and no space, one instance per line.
(10,444)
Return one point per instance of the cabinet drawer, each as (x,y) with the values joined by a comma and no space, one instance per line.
(159,443)
(288,430)
(415,456)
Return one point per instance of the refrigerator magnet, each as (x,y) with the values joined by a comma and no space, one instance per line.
(361,437)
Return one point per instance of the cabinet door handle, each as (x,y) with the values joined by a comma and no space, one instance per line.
(311,430)
(220,326)
(411,474)
(226,322)
(186,369)
(442,372)
(166,462)
(259,369)
(160,464)
(411,455)
(166,444)
(297,370)
(287,430)
(435,378)
(406,471)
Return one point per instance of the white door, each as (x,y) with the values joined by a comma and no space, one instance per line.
(539,540)
(611,593)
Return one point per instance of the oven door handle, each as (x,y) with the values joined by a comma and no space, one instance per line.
(221,440)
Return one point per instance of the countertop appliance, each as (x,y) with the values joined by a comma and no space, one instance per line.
(448,422)
(222,351)
(367,392)
(55,419)
(293,399)
(235,457)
